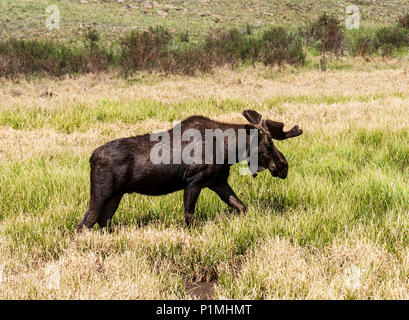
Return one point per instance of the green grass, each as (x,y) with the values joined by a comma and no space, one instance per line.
(70,118)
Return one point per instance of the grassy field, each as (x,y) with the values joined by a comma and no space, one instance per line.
(336,228)
(26,19)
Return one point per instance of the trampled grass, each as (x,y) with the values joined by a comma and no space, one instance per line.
(337,227)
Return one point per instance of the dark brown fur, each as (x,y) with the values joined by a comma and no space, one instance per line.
(123,166)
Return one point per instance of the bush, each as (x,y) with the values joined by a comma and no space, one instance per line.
(404,21)
(387,49)
(328,32)
(384,39)
(91,39)
(187,61)
(49,58)
(230,47)
(393,36)
(363,44)
(144,49)
(279,46)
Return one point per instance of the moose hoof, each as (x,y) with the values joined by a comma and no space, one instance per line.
(79,228)
(188,219)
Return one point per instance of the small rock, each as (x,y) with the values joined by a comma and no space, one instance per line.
(162,13)
(147,5)
(84,1)
(156,4)
(168,7)
(132,6)
(120,1)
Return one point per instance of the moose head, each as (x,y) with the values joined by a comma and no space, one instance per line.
(269,157)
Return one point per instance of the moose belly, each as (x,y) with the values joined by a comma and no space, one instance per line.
(157,183)
(156,190)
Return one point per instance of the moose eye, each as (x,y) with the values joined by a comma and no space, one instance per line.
(270,148)
(270,143)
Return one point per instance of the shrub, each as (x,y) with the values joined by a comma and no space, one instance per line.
(279,46)
(187,61)
(393,36)
(229,47)
(387,49)
(363,44)
(91,39)
(144,49)
(328,32)
(49,58)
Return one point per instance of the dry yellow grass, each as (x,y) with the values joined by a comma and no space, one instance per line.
(32,143)
(93,267)
(248,85)
(355,269)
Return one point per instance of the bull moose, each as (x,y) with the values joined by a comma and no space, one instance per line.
(126,165)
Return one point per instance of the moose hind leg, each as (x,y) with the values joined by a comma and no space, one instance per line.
(91,215)
(109,209)
(100,194)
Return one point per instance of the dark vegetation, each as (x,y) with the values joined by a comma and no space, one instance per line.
(326,34)
(159,50)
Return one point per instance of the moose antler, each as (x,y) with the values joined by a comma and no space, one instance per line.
(256,120)
(273,128)
(277,132)
(252,116)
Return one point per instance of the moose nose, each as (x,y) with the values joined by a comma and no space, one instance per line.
(279,172)
(282,174)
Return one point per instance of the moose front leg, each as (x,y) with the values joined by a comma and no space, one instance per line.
(190,197)
(225,192)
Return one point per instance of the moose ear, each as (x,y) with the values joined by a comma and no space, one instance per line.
(277,132)
(252,116)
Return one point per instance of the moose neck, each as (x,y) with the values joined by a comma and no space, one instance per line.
(243,144)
